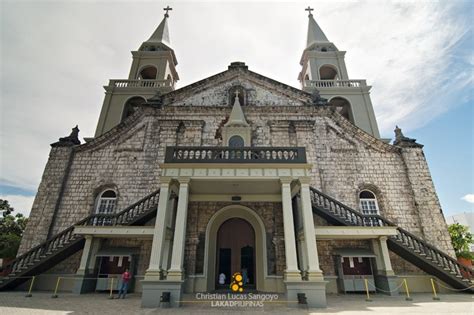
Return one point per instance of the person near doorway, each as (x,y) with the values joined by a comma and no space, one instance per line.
(124,284)
(245,276)
(222,278)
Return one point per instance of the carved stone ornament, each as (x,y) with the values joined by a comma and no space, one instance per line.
(72,139)
(402,141)
(316,99)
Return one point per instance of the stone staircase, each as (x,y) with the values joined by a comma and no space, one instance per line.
(410,247)
(62,245)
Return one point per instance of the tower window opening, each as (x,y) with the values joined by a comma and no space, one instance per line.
(131,105)
(343,107)
(148,73)
(327,73)
(324,49)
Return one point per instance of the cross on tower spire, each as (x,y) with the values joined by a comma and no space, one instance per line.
(168,8)
(309,9)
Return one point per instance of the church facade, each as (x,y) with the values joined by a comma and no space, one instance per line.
(237,173)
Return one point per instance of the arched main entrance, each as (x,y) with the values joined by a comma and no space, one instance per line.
(235,252)
(211,250)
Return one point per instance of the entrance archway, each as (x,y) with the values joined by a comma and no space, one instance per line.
(260,255)
(235,252)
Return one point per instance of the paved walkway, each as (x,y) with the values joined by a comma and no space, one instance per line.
(41,303)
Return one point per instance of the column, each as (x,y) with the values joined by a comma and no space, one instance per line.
(385,278)
(291,273)
(384,265)
(153,272)
(314,273)
(82,270)
(83,283)
(176,271)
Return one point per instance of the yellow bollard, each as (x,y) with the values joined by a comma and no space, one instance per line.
(55,295)
(367,290)
(435,296)
(408,298)
(31,287)
(111,288)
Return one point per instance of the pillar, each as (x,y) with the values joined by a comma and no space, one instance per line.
(159,235)
(314,272)
(291,273)
(175,273)
(385,278)
(83,282)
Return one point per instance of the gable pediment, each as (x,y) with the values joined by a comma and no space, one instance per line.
(217,90)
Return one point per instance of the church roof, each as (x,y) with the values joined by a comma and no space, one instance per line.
(238,69)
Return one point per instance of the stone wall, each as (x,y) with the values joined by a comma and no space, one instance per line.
(344,160)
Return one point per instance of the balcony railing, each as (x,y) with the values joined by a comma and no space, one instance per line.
(140,83)
(335,83)
(235,155)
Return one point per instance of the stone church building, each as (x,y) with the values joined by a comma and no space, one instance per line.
(293,188)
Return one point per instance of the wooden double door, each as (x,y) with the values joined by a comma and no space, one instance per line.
(235,252)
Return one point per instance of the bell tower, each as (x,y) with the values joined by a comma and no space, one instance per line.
(324,69)
(153,70)
(155,59)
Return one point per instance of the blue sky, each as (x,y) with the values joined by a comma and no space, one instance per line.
(418,56)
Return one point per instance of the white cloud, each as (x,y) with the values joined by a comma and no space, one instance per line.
(469,198)
(56,56)
(21,204)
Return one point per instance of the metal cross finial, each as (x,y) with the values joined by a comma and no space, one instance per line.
(167,9)
(309,9)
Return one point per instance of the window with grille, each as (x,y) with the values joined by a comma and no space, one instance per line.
(368,202)
(106,202)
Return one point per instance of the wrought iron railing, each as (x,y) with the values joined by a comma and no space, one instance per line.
(235,155)
(67,236)
(407,239)
(125,216)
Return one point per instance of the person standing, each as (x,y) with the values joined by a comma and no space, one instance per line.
(124,285)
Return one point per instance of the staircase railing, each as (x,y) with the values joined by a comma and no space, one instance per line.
(125,216)
(66,236)
(413,242)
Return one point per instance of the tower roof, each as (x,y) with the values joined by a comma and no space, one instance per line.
(315,33)
(160,39)
(161,34)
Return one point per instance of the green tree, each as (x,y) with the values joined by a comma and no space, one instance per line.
(11,230)
(461,239)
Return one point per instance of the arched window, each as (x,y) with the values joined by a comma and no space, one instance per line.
(368,202)
(236,142)
(106,202)
(130,106)
(148,73)
(327,72)
(343,106)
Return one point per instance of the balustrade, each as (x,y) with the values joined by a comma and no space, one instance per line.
(140,83)
(335,83)
(235,155)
